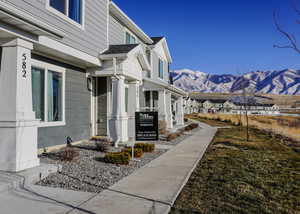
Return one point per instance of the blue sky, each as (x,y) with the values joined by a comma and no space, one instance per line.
(218,36)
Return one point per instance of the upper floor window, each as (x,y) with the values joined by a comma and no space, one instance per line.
(130,39)
(70,8)
(160,69)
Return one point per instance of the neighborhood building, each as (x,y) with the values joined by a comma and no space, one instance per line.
(229,106)
(76,69)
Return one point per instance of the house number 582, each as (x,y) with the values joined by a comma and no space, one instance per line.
(24,71)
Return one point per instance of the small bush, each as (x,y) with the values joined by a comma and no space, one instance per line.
(162,127)
(146,147)
(102,143)
(137,152)
(121,158)
(172,136)
(102,146)
(188,128)
(194,125)
(181,131)
(68,154)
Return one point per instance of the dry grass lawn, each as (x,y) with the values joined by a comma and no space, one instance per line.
(287,126)
(260,176)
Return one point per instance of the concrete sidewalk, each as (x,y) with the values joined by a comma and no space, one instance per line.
(154,187)
(151,189)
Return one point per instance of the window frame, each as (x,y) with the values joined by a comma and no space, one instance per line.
(127,32)
(161,65)
(54,68)
(65,16)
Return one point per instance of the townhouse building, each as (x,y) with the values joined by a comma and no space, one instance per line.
(72,69)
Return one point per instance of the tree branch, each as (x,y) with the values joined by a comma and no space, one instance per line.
(295,7)
(290,37)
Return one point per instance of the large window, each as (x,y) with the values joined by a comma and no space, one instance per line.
(130,39)
(48,93)
(70,8)
(160,69)
(151,99)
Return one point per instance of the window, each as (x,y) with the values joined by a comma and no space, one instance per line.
(151,99)
(54,83)
(130,39)
(48,83)
(161,69)
(70,8)
(155,99)
(38,92)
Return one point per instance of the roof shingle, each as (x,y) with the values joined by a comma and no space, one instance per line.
(120,49)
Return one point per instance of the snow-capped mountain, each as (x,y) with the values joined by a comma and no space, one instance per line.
(267,82)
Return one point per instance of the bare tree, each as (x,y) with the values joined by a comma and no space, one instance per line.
(292,41)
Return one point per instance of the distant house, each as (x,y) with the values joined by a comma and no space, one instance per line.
(229,107)
(253,109)
(214,105)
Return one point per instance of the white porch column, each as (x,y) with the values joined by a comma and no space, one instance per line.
(133,106)
(180,112)
(162,105)
(169,111)
(118,123)
(18,126)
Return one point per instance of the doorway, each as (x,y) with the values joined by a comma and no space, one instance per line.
(100,106)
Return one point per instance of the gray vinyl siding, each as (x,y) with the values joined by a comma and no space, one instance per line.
(116,32)
(77,112)
(91,40)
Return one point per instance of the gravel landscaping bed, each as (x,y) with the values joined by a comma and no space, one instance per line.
(88,172)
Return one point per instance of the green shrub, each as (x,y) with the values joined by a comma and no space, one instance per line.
(137,152)
(146,147)
(121,158)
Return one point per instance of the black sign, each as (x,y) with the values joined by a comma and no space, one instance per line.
(146,126)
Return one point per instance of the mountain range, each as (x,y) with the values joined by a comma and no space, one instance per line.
(266,82)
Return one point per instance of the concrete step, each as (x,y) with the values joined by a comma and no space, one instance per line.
(13,180)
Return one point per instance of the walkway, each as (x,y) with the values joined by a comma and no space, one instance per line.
(155,187)
(151,189)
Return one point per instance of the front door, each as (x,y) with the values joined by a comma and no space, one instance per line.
(101,108)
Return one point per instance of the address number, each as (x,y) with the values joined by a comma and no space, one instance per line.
(24,65)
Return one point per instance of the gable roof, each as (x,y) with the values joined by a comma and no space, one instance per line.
(163,41)
(119,49)
(156,39)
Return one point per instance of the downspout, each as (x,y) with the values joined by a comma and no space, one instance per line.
(117,77)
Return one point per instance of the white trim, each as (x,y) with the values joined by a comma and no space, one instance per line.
(47,66)
(116,11)
(126,86)
(65,16)
(57,46)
